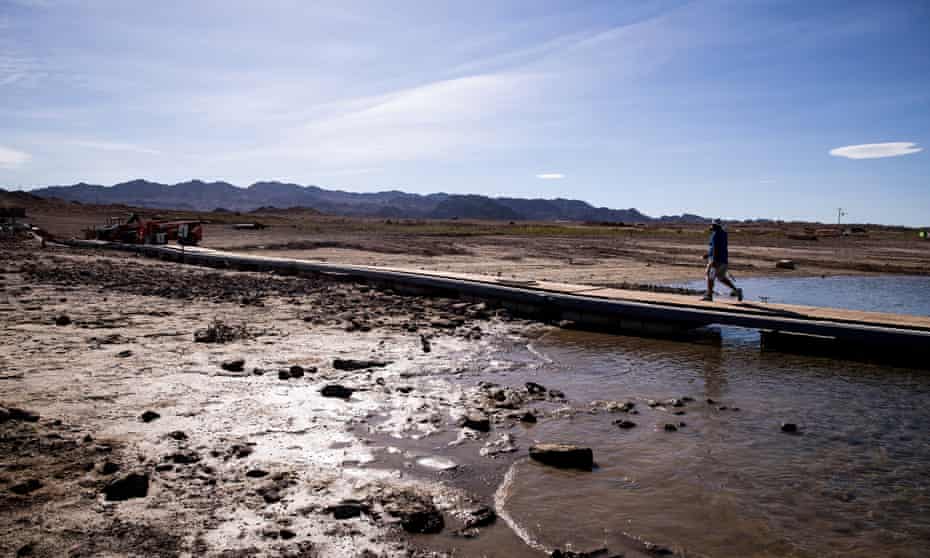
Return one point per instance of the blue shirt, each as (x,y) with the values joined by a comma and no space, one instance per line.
(717,252)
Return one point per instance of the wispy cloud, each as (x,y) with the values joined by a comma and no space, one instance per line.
(113,146)
(550,176)
(876,150)
(448,116)
(11,158)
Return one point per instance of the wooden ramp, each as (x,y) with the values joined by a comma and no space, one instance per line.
(597,307)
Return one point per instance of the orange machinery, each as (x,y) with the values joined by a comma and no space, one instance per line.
(136,230)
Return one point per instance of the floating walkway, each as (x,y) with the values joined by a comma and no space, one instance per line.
(843,333)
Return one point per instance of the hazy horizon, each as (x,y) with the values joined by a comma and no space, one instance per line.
(739,110)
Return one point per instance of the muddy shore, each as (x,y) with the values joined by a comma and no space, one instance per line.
(164,410)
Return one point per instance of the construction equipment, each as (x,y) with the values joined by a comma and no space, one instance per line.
(137,230)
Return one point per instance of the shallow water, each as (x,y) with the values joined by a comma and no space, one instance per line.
(880,293)
(730,483)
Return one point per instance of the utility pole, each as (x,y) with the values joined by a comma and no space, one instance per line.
(840,213)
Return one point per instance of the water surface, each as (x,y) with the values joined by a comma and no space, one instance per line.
(879,293)
(729,482)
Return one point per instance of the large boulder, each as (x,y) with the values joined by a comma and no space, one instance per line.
(565,456)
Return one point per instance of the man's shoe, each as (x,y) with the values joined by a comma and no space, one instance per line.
(708,298)
(738,293)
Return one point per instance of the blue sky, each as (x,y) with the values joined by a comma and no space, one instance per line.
(737,109)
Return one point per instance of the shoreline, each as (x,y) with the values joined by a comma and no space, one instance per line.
(243,456)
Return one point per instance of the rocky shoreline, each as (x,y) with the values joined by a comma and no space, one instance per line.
(221,413)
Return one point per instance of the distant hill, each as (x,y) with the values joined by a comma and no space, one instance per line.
(205,196)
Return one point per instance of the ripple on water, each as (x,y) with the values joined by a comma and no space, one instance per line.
(730,483)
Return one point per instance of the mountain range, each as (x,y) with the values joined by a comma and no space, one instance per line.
(198,195)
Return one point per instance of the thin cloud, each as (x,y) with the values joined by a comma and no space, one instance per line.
(12,159)
(409,124)
(111,146)
(550,176)
(876,150)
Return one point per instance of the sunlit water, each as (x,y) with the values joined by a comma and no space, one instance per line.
(884,293)
(730,483)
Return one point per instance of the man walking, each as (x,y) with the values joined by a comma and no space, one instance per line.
(717,262)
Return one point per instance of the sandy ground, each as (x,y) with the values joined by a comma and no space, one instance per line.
(584,255)
(562,252)
(128,430)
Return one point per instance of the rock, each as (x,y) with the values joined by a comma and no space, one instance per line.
(297,371)
(26,487)
(124,354)
(437,463)
(62,320)
(352,364)
(535,389)
(443,323)
(528,417)
(669,427)
(711,401)
(240,451)
(133,485)
(236,365)
(506,398)
(108,468)
(503,444)
(477,421)
(183,457)
(479,517)
(336,390)
(287,534)
(556,394)
(256,473)
(14,413)
(657,550)
(424,343)
(178,435)
(597,553)
(284,374)
(675,403)
(258,372)
(25,550)
(614,406)
(270,494)
(785,264)
(563,455)
(625,424)
(789,428)
(417,513)
(149,416)
(347,509)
